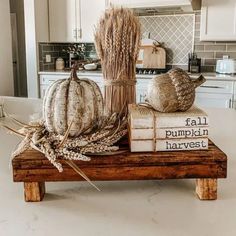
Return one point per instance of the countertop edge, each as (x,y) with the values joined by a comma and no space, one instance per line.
(208,76)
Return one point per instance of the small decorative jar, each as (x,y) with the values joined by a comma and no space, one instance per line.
(60,64)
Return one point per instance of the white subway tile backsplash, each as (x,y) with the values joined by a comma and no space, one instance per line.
(231,47)
(215,48)
(212,50)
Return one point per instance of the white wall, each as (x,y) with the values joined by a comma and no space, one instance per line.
(30,46)
(17,6)
(6,68)
(36,29)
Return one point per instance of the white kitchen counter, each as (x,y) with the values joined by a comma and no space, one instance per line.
(139,208)
(67,72)
(83,73)
(209,76)
(215,76)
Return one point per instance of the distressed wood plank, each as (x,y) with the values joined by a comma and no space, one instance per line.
(33,166)
(206,189)
(123,173)
(213,154)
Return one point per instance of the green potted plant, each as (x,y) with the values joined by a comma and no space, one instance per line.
(76,53)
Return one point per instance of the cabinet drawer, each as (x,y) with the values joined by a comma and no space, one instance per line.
(216,87)
(48,79)
(214,100)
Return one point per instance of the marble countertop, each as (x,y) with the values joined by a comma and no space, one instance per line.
(210,76)
(67,72)
(215,76)
(134,208)
(83,72)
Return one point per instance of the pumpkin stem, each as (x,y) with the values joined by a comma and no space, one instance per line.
(200,80)
(73,74)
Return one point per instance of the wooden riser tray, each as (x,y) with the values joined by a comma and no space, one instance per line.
(32,168)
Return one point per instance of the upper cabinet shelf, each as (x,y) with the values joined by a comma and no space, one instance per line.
(218,20)
(74,20)
(149,3)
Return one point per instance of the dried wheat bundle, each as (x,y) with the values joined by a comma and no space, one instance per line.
(101,139)
(117,40)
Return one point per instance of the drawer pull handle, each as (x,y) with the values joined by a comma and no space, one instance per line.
(75,33)
(206,86)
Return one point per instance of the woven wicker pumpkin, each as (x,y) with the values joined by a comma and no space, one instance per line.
(72,101)
(173,91)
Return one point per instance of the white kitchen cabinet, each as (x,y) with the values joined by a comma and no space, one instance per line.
(141,90)
(215,94)
(41,20)
(47,79)
(212,94)
(43,89)
(214,100)
(91,12)
(216,86)
(36,23)
(218,20)
(63,21)
(74,20)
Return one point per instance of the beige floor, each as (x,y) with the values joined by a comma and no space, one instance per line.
(165,208)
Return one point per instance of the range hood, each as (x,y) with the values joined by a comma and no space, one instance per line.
(161,4)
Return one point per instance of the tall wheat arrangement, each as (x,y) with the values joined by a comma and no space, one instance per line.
(117,40)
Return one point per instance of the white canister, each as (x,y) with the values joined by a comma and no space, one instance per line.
(60,64)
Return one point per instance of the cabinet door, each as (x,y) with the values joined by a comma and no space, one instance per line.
(207,100)
(141,90)
(218,20)
(214,86)
(90,12)
(141,95)
(41,20)
(62,20)
(43,89)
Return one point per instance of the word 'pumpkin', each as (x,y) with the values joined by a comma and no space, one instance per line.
(76,102)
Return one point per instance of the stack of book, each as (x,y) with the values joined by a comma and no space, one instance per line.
(151,130)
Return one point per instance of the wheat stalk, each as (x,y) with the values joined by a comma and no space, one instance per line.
(117,40)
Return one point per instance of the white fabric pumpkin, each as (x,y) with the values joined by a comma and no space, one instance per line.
(72,100)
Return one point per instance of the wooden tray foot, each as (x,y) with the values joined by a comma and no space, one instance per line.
(206,189)
(34,191)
